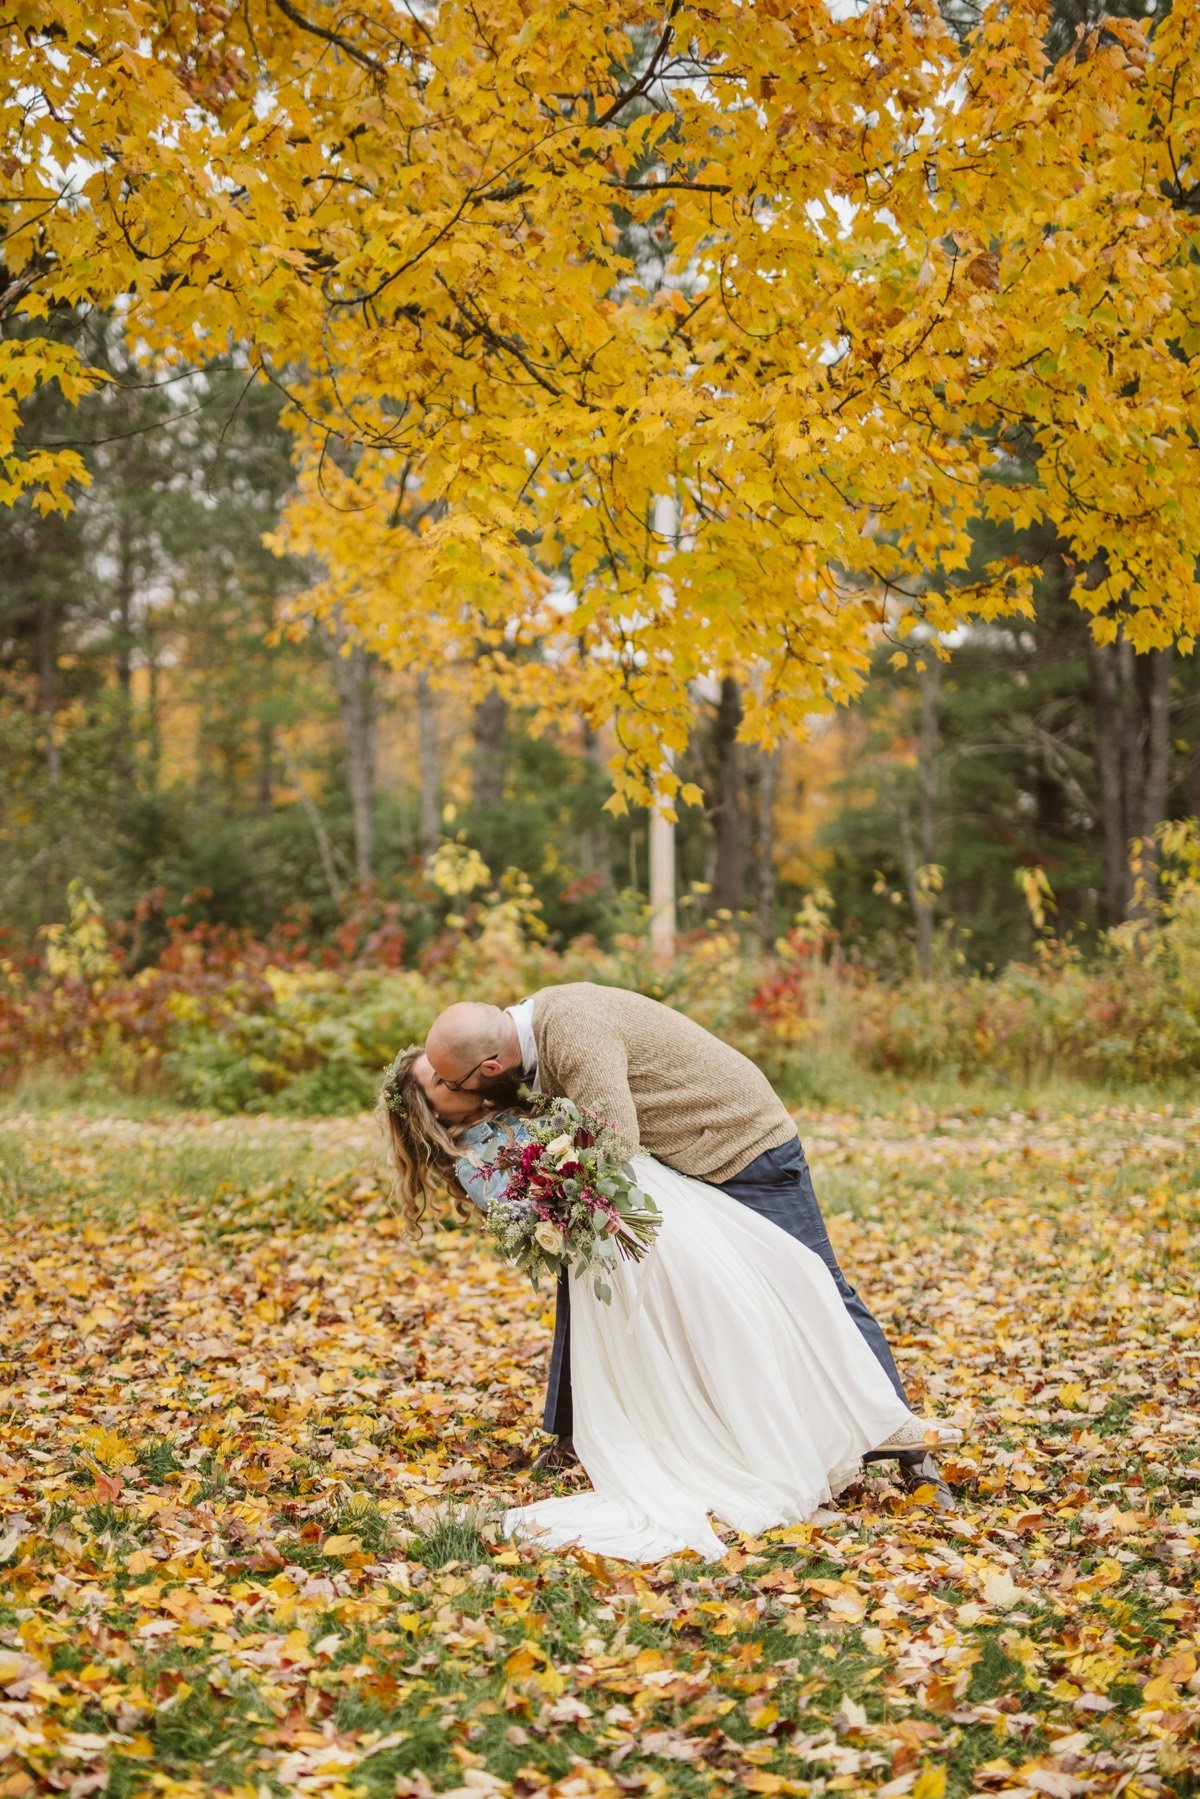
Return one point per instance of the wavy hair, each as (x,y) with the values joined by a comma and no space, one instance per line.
(421,1152)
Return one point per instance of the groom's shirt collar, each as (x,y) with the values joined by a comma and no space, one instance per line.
(522,1017)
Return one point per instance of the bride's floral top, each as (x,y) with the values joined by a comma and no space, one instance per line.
(477,1174)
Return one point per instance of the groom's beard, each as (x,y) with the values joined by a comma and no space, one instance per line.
(502,1089)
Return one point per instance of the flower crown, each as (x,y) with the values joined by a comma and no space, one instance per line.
(394,1098)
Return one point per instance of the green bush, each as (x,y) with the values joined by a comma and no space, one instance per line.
(320,1048)
(239,1025)
(1133,1015)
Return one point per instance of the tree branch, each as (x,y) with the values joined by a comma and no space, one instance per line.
(638,87)
(490,335)
(652,187)
(331,37)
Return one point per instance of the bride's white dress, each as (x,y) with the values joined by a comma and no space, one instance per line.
(725,1380)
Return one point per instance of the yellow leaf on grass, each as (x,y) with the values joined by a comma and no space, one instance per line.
(1179,1667)
(1159,1691)
(530,1662)
(764,1717)
(107,1447)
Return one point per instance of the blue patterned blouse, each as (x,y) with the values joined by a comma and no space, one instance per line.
(481,1143)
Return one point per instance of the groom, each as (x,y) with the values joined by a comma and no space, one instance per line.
(666,1086)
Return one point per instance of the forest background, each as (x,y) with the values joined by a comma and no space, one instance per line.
(219,789)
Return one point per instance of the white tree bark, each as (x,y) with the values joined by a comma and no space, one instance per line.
(662,885)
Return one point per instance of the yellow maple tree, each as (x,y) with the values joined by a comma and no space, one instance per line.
(684,339)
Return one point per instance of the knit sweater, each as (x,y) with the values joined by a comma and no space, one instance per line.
(663,1083)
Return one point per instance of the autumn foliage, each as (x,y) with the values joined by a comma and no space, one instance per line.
(251,1447)
(729,319)
(289,1024)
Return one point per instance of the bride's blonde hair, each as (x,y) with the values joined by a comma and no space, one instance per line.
(420,1150)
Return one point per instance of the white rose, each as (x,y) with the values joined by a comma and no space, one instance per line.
(561,1147)
(549,1238)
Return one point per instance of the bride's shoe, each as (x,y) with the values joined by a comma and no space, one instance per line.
(918,1435)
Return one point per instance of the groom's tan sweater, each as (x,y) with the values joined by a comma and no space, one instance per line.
(664,1083)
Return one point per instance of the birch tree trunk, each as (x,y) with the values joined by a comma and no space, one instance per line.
(662,886)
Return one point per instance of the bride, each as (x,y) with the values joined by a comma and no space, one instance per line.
(725,1379)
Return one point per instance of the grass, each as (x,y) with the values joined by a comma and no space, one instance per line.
(225,1172)
(254,1448)
(452,1538)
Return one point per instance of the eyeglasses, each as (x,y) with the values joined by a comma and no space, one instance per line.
(458,1086)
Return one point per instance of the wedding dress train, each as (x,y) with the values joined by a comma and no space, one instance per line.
(725,1380)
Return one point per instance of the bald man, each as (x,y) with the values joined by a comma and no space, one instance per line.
(668,1087)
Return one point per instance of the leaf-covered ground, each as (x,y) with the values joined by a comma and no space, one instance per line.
(249,1444)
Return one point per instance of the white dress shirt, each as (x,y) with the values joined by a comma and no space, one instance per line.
(522,1016)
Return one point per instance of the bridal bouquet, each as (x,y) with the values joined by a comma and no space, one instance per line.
(571,1200)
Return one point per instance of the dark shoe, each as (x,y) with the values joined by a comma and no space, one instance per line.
(923,1478)
(556,1459)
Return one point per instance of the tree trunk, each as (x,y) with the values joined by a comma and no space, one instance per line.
(48,680)
(354,674)
(123,594)
(430,766)
(266,765)
(1133,746)
(325,847)
(927,758)
(1109,772)
(662,886)
(265,782)
(768,778)
(596,850)
(920,852)
(125,553)
(1155,767)
(918,901)
(727,811)
(924,900)
(153,721)
(1191,786)
(490,731)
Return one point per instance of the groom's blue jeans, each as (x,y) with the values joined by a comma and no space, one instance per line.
(778,1186)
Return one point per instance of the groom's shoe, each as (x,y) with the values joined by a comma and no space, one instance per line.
(922,1476)
(556,1459)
